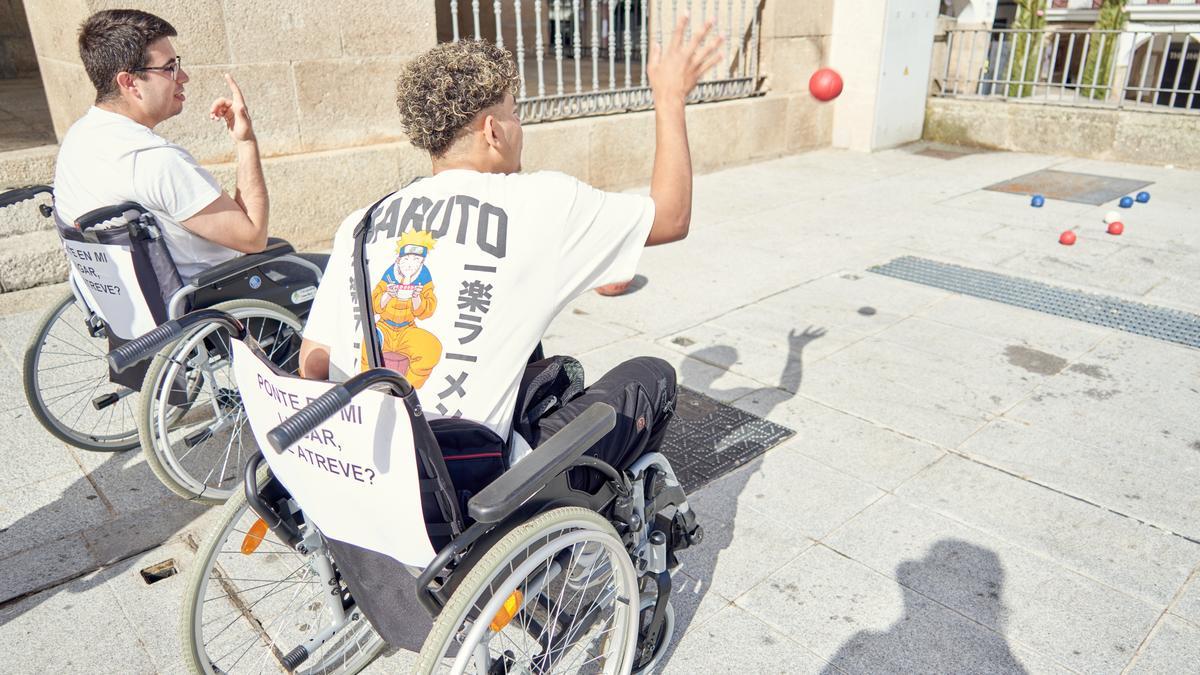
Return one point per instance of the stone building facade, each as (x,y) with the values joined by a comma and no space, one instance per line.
(319,78)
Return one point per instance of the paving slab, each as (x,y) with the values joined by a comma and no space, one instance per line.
(47,510)
(59,631)
(1175,293)
(861,621)
(1154,482)
(774,359)
(1187,605)
(871,453)
(154,610)
(1174,648)
(1092,400)
(1076,621)
(804,495)
(742,546)
(736,641)
(46,565)
(912,391)
(1135,558)
(1016,325)
(574,332)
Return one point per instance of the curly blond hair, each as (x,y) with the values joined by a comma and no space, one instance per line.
(441,91)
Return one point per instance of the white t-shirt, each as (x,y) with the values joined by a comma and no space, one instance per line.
(107,158)
(508,252)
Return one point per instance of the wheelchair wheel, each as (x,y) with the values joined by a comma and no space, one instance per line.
(251,600)
(65,371)
(557,594)
(192,426)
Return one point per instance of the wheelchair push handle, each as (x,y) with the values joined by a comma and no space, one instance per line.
(310,417)
(129,211)
(141,348)
(18,195)
(328,404)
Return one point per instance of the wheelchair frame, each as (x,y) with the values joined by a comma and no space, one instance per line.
(218,285)
(537,484)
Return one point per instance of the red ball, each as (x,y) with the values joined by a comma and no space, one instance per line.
(1067,238)
(825,84)
(1116,227)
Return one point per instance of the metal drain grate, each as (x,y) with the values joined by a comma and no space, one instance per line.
(707,439)
(1157,322)
(1070,186)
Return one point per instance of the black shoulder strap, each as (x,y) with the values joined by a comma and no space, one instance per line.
(363,288)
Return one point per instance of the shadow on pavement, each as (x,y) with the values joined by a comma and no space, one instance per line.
(134,514)
(921,640)
(691,586)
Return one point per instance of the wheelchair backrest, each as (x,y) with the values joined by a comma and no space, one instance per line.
(119,262)
(355,476)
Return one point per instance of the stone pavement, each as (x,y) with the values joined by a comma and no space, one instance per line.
(972,487)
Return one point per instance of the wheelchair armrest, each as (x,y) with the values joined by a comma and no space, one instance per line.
(18,195)
(106,213)
(505,494)
(240,264)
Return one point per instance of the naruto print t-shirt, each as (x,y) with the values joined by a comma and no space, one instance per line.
(467,270)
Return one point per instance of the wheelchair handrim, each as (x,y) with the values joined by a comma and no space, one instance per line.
(164,449)
(625,617)
(359,640)
(74,432)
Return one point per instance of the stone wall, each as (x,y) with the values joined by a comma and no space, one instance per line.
(16,45)
(1143,137)
(319,78)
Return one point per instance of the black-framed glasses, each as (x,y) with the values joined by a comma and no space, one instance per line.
(171,69)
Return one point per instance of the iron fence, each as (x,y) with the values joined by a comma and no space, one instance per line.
(588,57)
(1144,69)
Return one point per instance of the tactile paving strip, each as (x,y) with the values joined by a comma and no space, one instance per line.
(1157,322)
(707,439)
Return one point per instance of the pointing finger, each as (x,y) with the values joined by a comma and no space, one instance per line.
(237,91)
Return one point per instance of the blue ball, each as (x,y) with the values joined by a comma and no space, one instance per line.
(1126,202)
(1143,197)
(1037,202)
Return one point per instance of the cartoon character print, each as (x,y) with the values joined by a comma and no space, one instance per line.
(404,295)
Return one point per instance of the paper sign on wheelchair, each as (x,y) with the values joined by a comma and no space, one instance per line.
(104,275)
(355,476)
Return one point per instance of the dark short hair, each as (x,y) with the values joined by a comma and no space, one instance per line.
(115,40)
(442,90)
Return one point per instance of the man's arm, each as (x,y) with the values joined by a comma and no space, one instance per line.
(673,75)
(238,222)
(314,360)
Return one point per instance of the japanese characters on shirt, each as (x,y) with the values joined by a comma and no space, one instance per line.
(404,295)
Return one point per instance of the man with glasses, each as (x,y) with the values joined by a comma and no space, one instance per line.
(112,155)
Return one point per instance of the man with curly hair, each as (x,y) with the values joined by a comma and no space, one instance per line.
(515,249)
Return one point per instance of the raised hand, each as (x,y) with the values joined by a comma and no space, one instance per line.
(675,71)
(234,112)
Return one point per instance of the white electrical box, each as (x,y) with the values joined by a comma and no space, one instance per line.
(907,47)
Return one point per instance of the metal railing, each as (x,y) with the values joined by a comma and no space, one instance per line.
(1155,69)
(588,57)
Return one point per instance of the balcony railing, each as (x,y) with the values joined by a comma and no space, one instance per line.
(1142,69)
(588,57)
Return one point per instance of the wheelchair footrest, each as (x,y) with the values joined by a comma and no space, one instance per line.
(197,437)
(102,402)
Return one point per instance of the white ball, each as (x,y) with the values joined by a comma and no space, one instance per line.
(1111,217)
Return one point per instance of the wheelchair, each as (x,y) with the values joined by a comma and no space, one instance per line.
(531,574)
(181,407)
